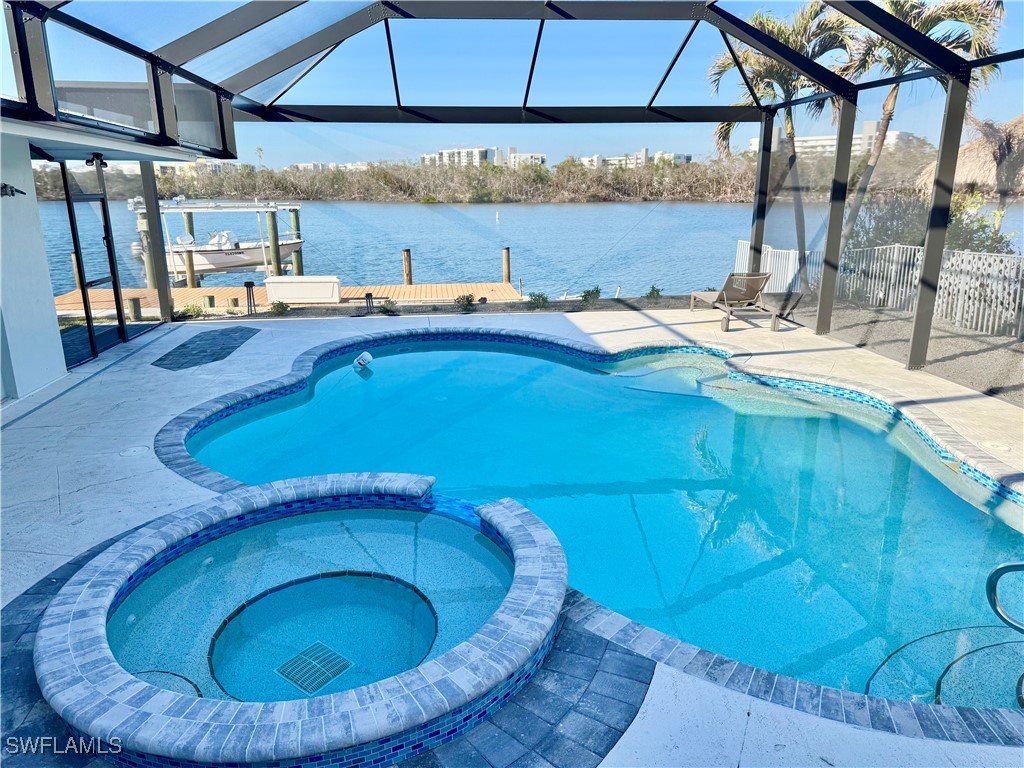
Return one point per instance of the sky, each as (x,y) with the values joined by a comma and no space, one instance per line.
(484,63)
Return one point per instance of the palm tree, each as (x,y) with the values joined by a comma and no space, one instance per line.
(1005,145)
(967,27)
(814,31)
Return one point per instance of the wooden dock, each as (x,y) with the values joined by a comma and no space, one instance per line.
(430,293)
(102,300)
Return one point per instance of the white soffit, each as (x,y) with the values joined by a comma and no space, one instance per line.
(66,142)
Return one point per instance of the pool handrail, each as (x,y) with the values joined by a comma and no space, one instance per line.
(991,586)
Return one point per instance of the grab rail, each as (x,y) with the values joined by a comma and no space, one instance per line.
(993,597)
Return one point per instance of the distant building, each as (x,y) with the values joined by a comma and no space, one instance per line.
(204,165)
(460,157)
(477,156)
(515,159)
(314,166)
(673,158)
(359,166)
(635,160)
(862,142)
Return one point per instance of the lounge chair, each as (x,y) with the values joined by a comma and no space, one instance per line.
(779,305)
(740,291)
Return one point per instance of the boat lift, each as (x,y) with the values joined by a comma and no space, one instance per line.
(224,253)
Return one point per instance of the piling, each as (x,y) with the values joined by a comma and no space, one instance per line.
(135,309)
(297,266)
(190,264)
(77,270)
(407,265)
(142,225)
(274,243)
(506,265)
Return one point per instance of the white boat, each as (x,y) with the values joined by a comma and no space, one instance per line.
(223,252)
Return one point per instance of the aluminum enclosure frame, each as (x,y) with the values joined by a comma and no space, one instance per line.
(38,98)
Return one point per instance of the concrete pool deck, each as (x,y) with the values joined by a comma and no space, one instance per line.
(79,467)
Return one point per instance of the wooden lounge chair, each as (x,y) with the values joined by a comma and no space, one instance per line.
(740,291)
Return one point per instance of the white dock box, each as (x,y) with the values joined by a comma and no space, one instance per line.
(303,289)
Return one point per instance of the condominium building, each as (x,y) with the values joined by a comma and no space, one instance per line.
(204,165)
(515,159)
(635,160)
(862,142)
(461,157)
(477,156)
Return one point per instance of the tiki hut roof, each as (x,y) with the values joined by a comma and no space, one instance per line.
(976,167)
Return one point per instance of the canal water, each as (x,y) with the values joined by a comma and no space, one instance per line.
(556,248)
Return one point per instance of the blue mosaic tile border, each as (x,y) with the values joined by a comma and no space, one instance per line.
(171,442)
(383,752)
(83,683)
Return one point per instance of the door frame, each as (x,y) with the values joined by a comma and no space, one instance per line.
(78,263)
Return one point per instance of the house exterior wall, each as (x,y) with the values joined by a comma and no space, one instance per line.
(32,355)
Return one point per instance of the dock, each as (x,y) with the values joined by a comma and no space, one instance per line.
(101,300)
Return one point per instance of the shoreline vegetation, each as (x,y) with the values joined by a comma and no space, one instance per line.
(728,179)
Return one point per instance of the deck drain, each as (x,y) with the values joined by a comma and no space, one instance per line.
(314,667)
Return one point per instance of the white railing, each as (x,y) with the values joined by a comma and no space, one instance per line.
(980,291)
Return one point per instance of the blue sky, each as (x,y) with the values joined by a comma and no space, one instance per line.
(485,63)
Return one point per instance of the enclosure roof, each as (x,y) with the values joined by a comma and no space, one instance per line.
(265,55)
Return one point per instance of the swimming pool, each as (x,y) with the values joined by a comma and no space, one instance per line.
(373,591)
(788,530)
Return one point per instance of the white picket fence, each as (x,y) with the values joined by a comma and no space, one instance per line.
(980,291)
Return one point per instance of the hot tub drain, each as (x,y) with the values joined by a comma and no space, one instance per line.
(312,669)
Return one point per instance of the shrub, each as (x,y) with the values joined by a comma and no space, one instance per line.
(653,295)
(232,311)
(464,303)
(902,218)
(589,298)
(190,312)
(388,307)
(434,308)
(537,301)
(428,199)
(279,308)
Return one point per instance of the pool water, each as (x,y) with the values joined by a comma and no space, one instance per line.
(163,631)
(793,532)
(287,638)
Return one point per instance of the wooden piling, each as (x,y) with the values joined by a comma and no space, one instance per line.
(142,225)
(135,309)
(407,265)
(274,244)
(298,268)
(506,265)
(190,264)
(78,272)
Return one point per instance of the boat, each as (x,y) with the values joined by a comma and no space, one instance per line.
(223,251)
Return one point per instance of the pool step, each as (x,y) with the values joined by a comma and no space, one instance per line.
(977,666)
(983,676)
